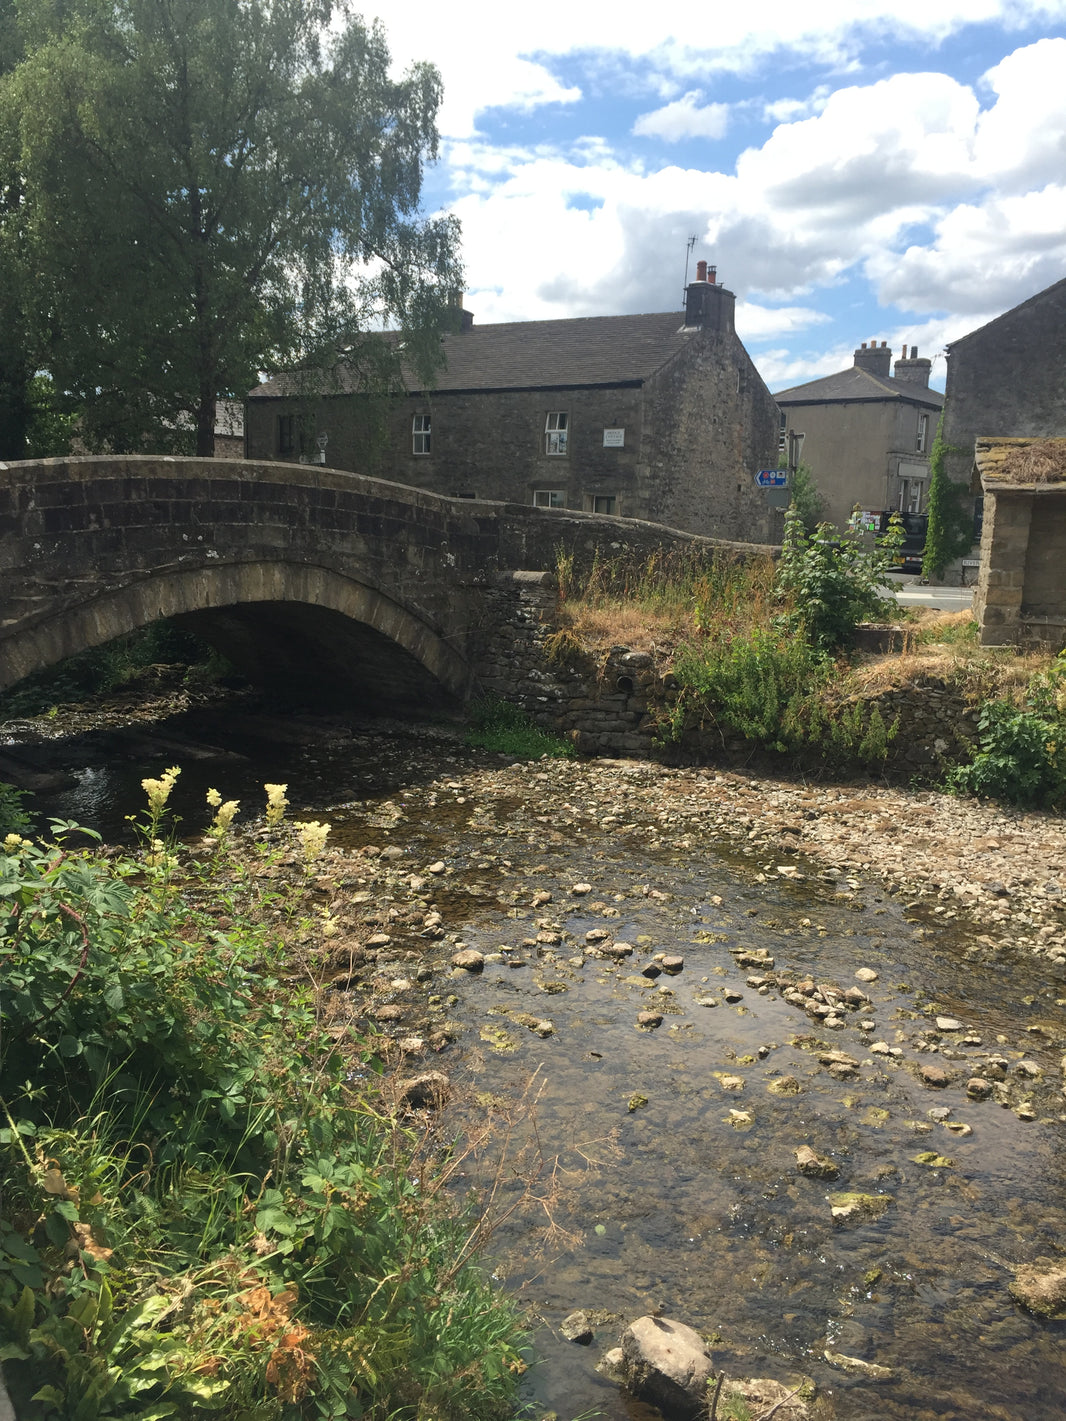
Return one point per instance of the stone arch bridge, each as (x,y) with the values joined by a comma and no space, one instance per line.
(312,581)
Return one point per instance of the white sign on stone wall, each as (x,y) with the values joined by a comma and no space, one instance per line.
(614,438)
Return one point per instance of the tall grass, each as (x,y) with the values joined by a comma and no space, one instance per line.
(685,589)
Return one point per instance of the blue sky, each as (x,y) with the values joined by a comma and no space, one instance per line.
(854,174)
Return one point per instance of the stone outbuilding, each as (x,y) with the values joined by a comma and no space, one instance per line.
(1021,589)
(868,432)
(660,417)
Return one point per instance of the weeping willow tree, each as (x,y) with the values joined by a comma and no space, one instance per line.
(197,190)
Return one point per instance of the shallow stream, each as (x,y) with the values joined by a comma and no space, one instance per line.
(668,1174)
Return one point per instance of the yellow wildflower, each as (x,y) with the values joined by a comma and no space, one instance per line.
(276,803)
(14,842)
(214,799)
(313,837)
(158,791)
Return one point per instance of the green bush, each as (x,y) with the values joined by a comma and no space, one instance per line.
(101,669)
(831,581)
(13,816)
(507,729)
(772,689)
(1022,756)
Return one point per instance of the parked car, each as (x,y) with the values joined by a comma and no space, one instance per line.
(912,549)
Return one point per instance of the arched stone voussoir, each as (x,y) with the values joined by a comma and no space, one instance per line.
(185,591)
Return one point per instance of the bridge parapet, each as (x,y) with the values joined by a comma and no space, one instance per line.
(292,569)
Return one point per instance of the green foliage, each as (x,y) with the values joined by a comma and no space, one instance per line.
(13,817)
(205,1207)
(507,729)
(805,497)
(772,690)
(104,668)
(192,191)
(950,532)
(1022,754)
(831,581)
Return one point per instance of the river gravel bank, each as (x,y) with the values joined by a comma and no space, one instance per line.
(1001,870)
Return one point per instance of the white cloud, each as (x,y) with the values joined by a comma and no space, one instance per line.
(939,196)
(684,118)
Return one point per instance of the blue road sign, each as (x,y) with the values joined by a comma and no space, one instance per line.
(772,478)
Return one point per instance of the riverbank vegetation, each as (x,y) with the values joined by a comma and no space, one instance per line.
(765,652)
(207,1204)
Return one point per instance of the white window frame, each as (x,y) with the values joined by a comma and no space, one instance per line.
(923,433)
(556,433)
(549,498)
(911,495)
(421,434)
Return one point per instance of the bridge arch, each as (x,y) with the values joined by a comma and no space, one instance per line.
(286,625)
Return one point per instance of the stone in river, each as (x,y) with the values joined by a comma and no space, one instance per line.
(649,1019)
(1040,1287)
(577,1328)
(978,1089)
(667,1364)
(813,1165)
(866,974)
(948,1023)
(469,959)
(934,1075)
(672,964)
(429,1090)
(580,889)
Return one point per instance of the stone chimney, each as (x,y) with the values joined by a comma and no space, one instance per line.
(913,371)
(877,359)
(707,303)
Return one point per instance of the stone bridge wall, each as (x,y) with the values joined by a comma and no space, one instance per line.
(294,570)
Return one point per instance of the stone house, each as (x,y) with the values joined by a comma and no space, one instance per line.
(1007,379)
(660,417)
(867,432)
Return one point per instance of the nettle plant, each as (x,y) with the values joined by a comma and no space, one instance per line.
(831,580)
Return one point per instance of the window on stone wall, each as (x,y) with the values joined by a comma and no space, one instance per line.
(420,434)
(923,433)
(911,492)
(549,498)
(556,429)
(286,434)
(601,503)
(782,433)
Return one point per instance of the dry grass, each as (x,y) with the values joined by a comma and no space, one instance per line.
(599,627)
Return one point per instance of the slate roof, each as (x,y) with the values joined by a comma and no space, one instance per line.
(858,384)
(533,355)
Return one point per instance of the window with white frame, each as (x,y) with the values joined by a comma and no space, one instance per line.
(420,434)
(910,495)
(602,503)
(923,433)
(782,433)
(556,429)
(549,498)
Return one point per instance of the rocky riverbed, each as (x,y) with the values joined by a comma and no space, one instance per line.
(780,1061)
